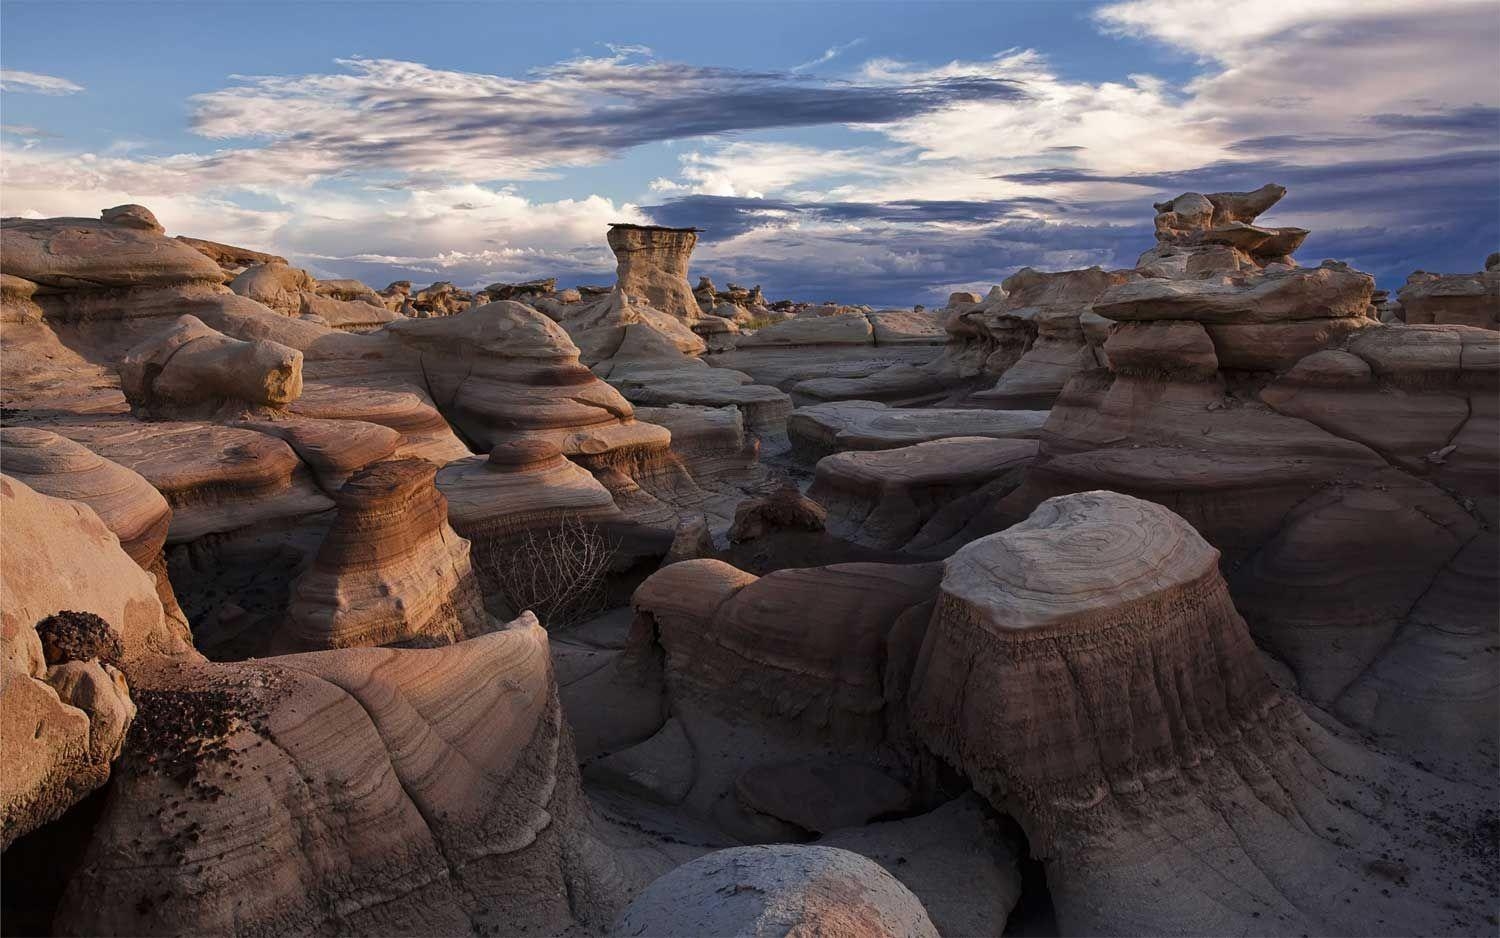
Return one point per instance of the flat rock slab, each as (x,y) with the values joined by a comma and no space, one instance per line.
(881,498)
(822,429)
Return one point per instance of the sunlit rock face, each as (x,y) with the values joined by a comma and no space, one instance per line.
(77,614)
(390,570)
(652,263)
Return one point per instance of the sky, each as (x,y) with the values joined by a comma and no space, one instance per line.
(879,152)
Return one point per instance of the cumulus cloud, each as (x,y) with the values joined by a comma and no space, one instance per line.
(15,80)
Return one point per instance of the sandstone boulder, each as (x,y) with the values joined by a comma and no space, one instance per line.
(191,369)
(1042,630)
(777,890)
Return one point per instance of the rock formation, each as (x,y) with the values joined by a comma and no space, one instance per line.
(1213,638)
(75,610)
(233,260)
(348,791)
(652,264)
(129,506)
(778,890)
(743,644)
(390,570)
(887,498)
(821,429)
(1453,299)
(1089,673)
(192,370)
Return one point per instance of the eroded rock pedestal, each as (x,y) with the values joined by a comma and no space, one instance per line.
(1087,671)
(653,265)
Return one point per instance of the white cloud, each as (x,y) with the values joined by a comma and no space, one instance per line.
(15,80)
(829,54)
(758,170)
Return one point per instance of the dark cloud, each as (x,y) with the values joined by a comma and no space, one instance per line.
(1465,120)
(402,117)
(1437,213)
(724,217)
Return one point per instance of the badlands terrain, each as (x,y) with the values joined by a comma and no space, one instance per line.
(1152,601)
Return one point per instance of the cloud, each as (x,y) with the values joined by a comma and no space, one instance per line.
(723,217)
(384,115)
(1382,116)
(14,80)
(829,54)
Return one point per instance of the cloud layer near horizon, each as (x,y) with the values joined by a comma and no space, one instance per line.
(1383,117)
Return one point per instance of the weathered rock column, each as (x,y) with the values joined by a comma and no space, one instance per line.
(653,266)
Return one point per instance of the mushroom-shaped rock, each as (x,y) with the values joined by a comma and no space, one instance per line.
(883,498)
(191,369)
(92,254)
(333,449)
(503,370)
(1089,674)
(652,263)
(390,569)
(1095,599)
(353,791)
(777,891)
(1329,292)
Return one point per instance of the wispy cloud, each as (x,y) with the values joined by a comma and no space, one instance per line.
(829,54)
(36,83)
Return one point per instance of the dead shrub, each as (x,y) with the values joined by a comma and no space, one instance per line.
(558,573)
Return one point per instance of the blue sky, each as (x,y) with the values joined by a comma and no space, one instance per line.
(880,152)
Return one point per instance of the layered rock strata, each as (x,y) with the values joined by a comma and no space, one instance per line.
(349,791)
(1038,636)
(390,570)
